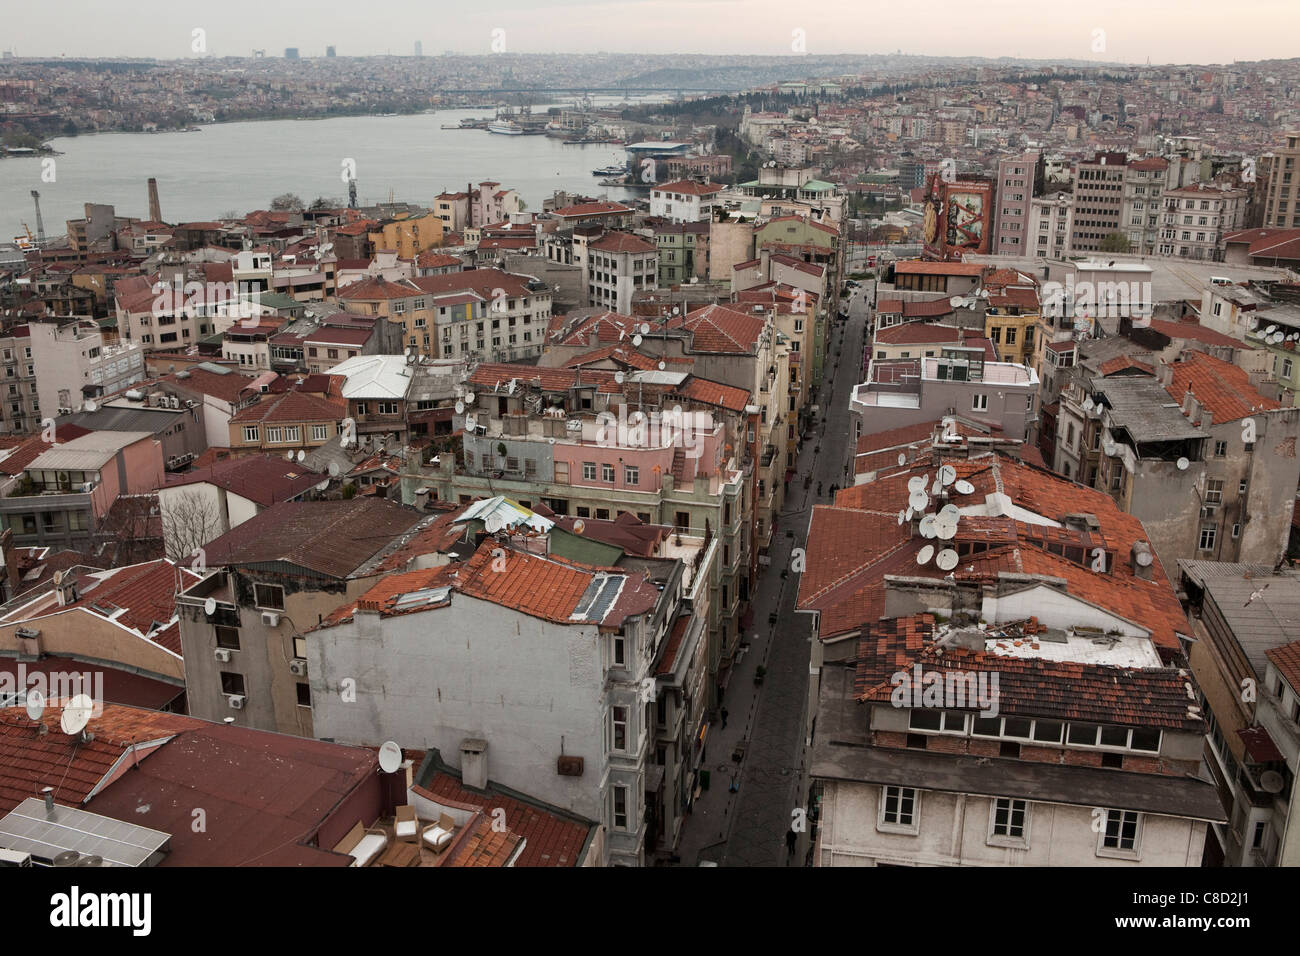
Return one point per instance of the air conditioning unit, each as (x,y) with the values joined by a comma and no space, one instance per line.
(222,654)
(236,701)
(298,667)
(270,619)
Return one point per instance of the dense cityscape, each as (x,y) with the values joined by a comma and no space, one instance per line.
(883,460)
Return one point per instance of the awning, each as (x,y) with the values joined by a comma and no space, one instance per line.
(1260,745)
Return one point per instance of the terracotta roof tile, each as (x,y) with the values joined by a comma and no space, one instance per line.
(1220,386)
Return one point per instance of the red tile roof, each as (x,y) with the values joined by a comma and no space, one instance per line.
(919,333)
(485,282)
(1220,386)
(926,268)
(584,209)
(622,242)
(1122,363)
(292,407)
(1195,332)
(264,479)
(721,329)
(689,187)
(714,393)
(493,374)
(1287,660)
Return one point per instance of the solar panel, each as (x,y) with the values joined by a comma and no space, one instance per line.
(598,598)
(29,829)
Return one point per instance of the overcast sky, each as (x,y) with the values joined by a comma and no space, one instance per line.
(1164,31)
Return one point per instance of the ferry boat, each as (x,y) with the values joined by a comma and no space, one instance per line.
(609,171)
(505,128)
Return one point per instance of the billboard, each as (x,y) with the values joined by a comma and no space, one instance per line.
(957,217)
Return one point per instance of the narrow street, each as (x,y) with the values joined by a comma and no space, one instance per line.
(744,816)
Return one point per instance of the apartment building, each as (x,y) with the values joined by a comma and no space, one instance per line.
(1280,172)
(1243,618)
(273,578)
(1142,213)
(684,200)
(20,403)
(1196,218)
(1019,181)
(1098,200)
(73,364)
(291,422)
(1051,224)
(581,737)
(618,265)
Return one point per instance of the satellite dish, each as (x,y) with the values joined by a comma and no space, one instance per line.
(1271,781)
(460,408)
(916,483)
(1087,404)
(390,756)
(90,406)
(947,559)
(925,554)
(963,487)
(927,526)
(936,489)
(1110,448)
(662,365)
(301,454)
(902,459)
(323,485)
(67,858)
(902,516)
(945,526)
(1270,330)
(918,500)
(636,340)
(35,704)
(908,514)
(494,523)
(578,526)
(210,606)
(676,311)
(1144,558)
(334,469)
(288,455)
(511,386)
(619,377)
(469,398)
(947,474)
(1183,464)
(76,714)
(645,328)
(956,302)
(410,357)
(950,511)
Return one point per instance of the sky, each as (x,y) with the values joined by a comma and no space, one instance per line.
(1163,31)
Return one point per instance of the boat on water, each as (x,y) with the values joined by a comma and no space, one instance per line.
(609,171)
(505,128)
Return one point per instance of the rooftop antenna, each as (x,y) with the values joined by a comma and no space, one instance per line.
(390,756)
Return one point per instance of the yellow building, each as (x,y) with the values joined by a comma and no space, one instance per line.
(409,235)
(1011,321)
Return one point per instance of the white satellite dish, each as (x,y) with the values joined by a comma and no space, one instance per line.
(301,454)
(662,365)
(511,386)
(1183,464)
(927,526)
(76,714)
(469,398)
(936,489)
(956,302)
(619,377)
(1271,781)
(963,487)
(916,483)
(334,469)
(460,408)
(1087,404)
(902,516)
(947,474)
(493,523)
(951,511)
(1110,448)
(1270,330)
(1144,558)
(645,328)
(945,527)
(578,526)
(902,459)
(636,340)
(947,559)
(288,455)
(210,606)
(323,485)
(925,554)
(90,406)
(390,756)
(918,500)
(35,704)
(908,514)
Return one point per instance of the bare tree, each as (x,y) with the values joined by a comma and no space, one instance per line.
(189,521)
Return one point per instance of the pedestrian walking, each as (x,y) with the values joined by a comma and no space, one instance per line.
(790,839)
(724,718)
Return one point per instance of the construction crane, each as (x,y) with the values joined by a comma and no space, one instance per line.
(40,224)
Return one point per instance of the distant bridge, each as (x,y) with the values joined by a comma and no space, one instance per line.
(595,90)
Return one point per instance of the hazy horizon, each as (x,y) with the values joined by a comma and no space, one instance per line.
(1166,32)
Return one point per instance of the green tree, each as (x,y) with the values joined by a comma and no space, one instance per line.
(1115,242)
(287,202)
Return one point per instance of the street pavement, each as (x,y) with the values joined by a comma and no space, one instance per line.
(744,816)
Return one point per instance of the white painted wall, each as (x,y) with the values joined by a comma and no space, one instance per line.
(1054,608)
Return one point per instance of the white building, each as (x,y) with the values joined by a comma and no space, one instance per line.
(73,364)
(617,266)
(684,201)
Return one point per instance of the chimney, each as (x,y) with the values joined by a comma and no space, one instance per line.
(473,763)
(1165,374)
(155,210)
(48,793)
(1190,404)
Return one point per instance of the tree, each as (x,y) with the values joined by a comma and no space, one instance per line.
(1115,242)
(287,202)
(189,521)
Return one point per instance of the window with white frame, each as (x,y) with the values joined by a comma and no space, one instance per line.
(606,472)
(979,403)
(898,810)
(618,797)
(618,728)
(588,471)
(250,433)
(1009,822)
(1121,835)
(319,432)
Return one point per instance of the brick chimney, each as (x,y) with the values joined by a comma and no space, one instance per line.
(473,763)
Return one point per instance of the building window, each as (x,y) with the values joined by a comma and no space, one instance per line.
(304,694)
(1236,531)
(979,403)
(620,807)
(1121,833)
(232,683)
(319,432)
(250,433)
(618,727)
(620,650)
(588,471)
(1220,449)
(268,596)
(1214,490)
(607,473)
(631,475)
(1207,539)
(1008,823)
(228,637)
(898,811)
